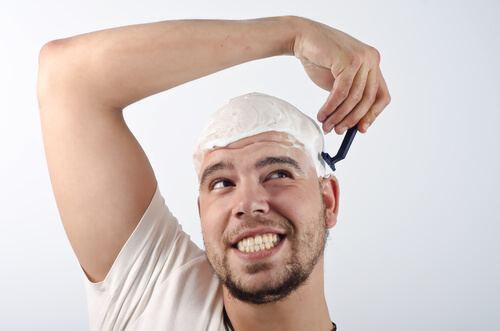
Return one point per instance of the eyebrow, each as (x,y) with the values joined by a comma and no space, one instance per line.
(267,161)
(281,160)
(221,165)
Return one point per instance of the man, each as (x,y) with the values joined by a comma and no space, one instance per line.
(143,272)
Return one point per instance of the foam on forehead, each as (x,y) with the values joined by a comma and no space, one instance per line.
(255,113)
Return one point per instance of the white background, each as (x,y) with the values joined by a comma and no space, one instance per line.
(417,241)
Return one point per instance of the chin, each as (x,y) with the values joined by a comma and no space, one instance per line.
(263,284)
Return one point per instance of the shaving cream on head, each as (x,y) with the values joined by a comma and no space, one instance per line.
(255,113)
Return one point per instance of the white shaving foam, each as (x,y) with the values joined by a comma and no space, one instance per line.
(255,113)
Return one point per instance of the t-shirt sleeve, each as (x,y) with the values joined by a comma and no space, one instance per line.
(147,273)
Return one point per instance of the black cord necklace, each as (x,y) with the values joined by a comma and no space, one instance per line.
(229,327)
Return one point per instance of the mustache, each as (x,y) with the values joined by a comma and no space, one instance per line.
(249,223)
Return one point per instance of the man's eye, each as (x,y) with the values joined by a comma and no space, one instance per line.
(221,183)
(280,174)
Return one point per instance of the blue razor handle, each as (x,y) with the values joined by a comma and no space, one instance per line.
(344,148)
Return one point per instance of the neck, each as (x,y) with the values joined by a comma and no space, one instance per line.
(304,309)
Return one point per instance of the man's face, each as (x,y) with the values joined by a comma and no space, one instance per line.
(263,216)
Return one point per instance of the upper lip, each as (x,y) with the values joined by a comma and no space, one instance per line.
(254,232)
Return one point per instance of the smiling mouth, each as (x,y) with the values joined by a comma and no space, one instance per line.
(258,243)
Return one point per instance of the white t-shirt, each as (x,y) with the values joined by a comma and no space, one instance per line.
(160,281)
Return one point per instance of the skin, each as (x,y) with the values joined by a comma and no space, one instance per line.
(244,198)
(101,177)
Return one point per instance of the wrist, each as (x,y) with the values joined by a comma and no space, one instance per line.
(293,26)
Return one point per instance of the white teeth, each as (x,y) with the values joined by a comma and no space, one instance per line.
(258,243)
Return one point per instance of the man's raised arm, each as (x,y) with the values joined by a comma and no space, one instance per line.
(101,178)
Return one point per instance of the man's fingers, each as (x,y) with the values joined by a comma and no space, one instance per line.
(356,108)
(359,93)
(340,91)
(382,100)
(356,95)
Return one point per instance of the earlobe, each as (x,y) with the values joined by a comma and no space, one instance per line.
(331,192)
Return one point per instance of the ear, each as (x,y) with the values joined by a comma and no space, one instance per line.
(330,194)
(199,211)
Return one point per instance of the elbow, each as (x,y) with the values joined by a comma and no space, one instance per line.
(49,50)
(47,70)
(54,70)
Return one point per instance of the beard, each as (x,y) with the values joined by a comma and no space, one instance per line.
(305,251)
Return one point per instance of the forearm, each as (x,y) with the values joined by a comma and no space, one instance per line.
(117,67)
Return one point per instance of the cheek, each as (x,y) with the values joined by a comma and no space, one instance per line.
(298,204)
(213,220)
(295,198)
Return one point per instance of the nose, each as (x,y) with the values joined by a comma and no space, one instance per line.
(250,199)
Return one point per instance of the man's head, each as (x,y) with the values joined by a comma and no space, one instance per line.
(255,113)
(264,206)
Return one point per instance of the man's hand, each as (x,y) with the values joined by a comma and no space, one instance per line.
(349,69)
